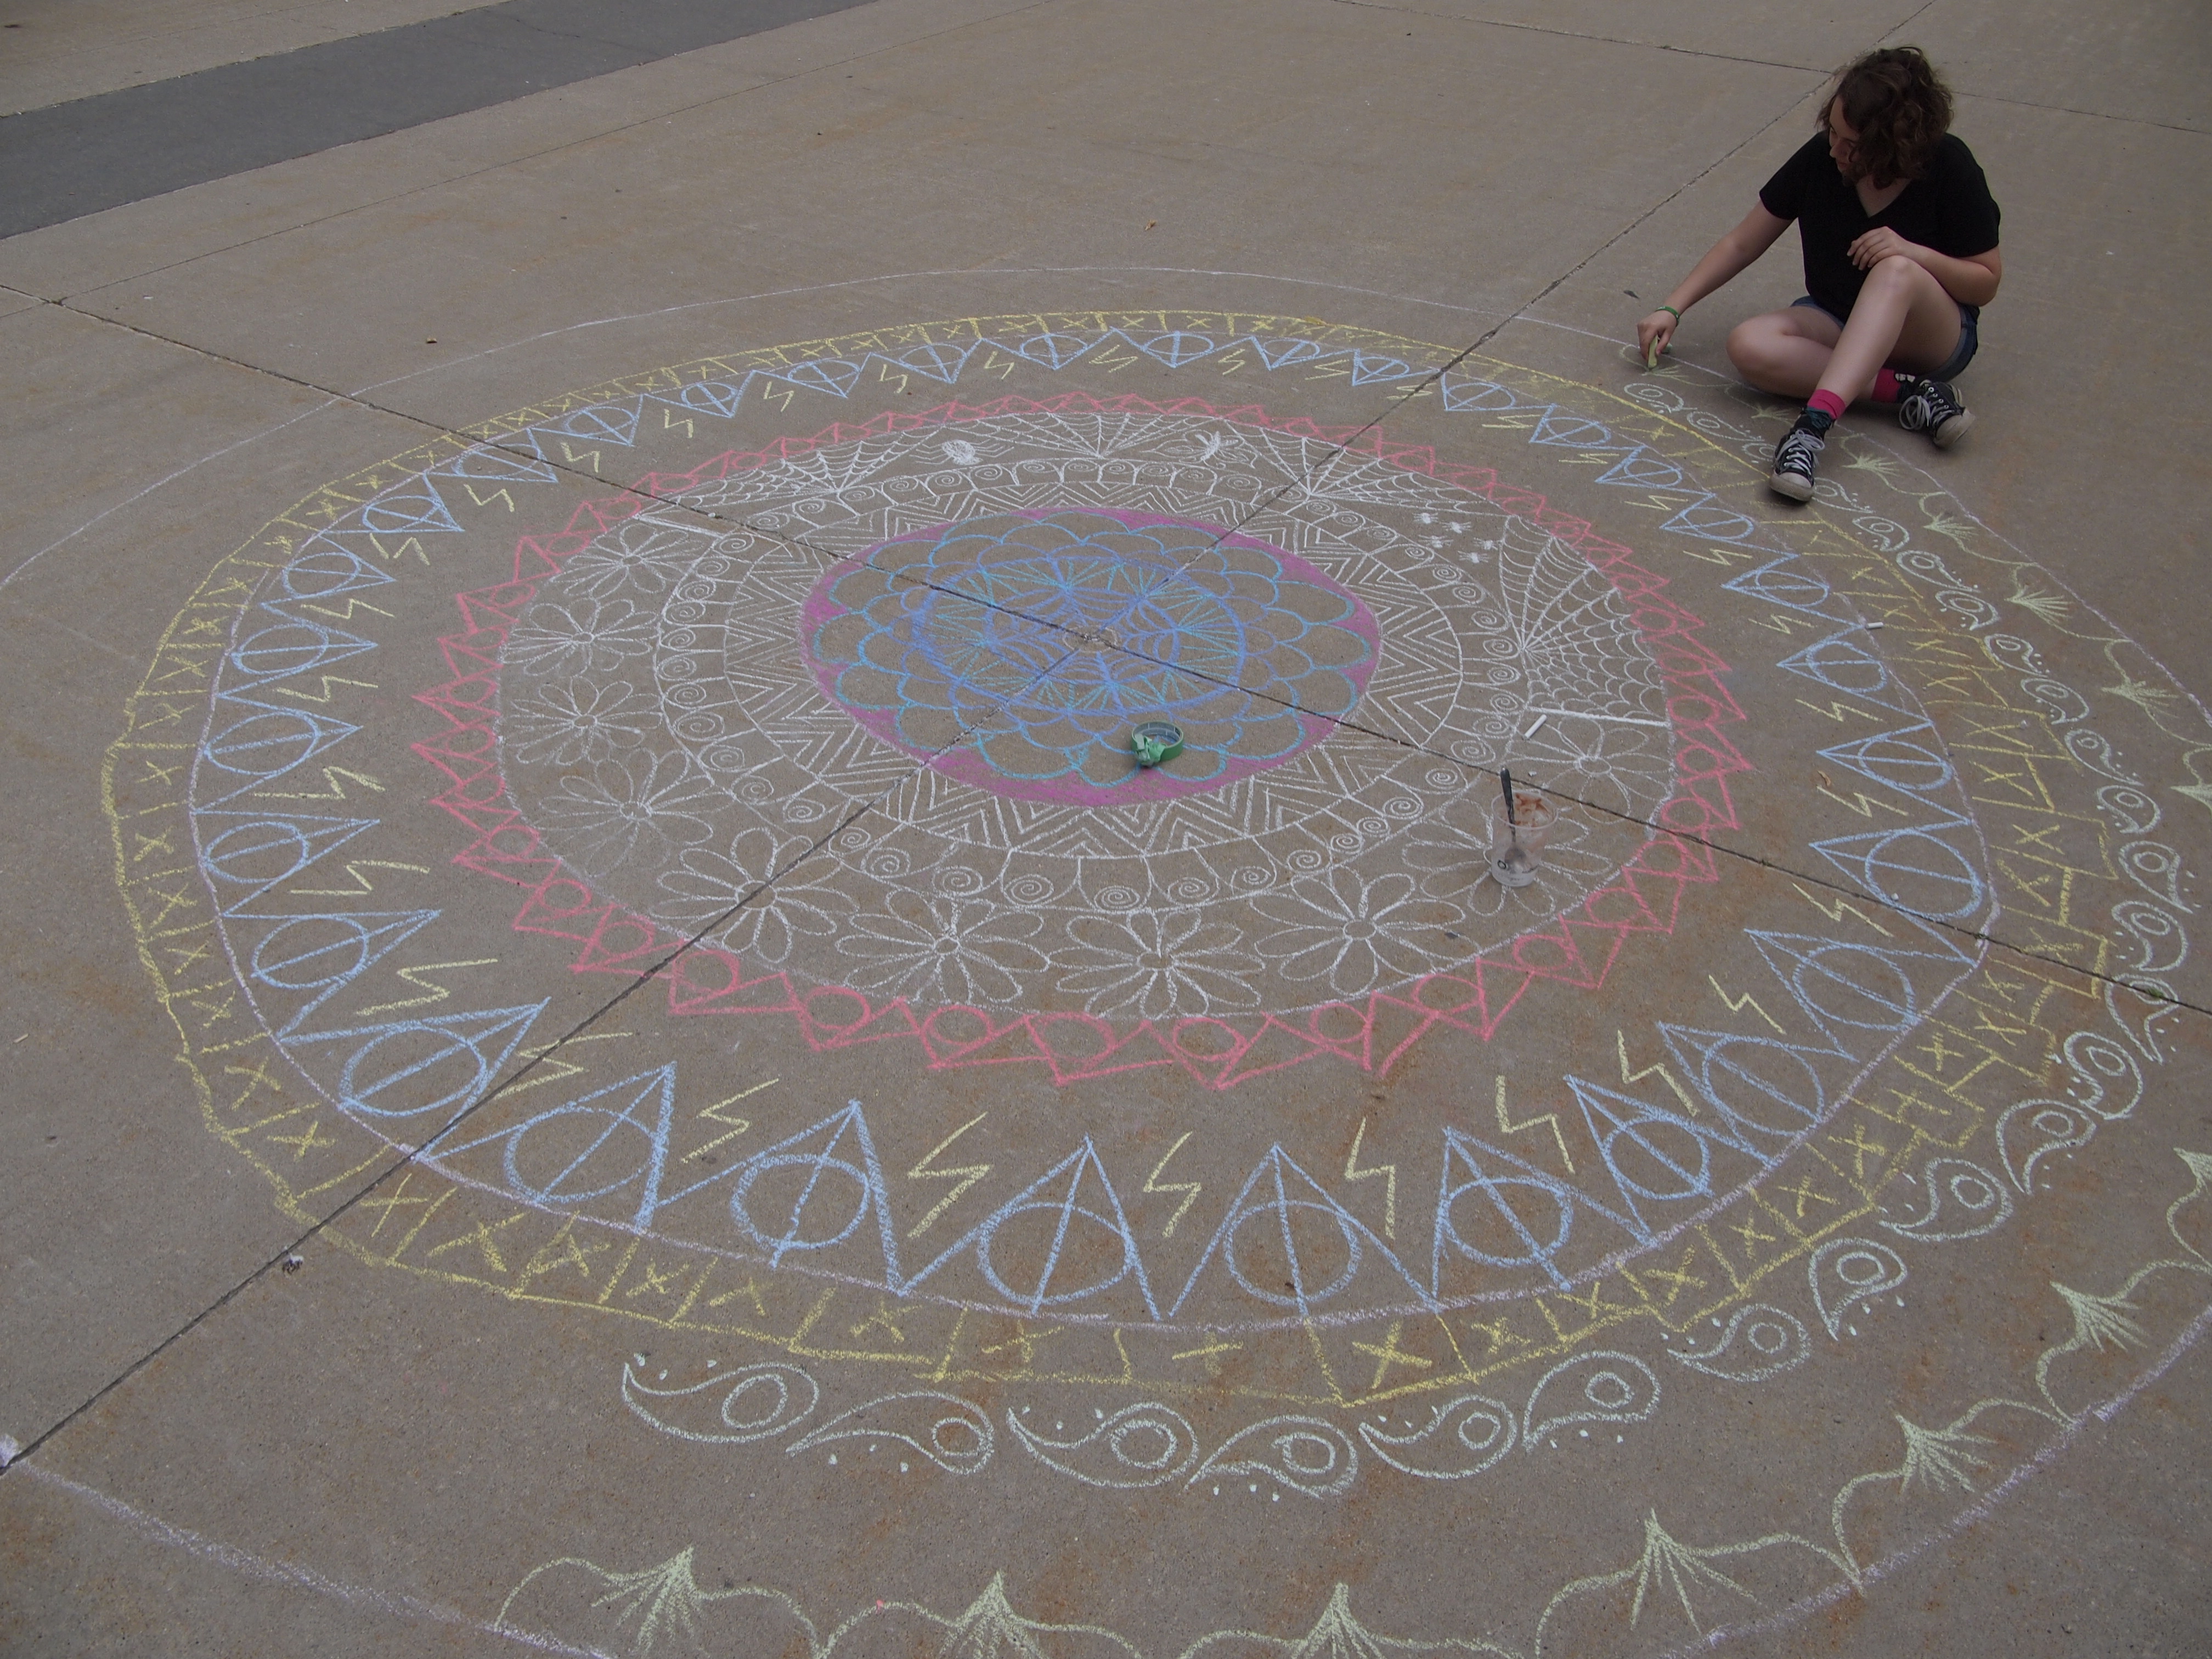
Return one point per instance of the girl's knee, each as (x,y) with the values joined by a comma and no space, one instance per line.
(1750,347)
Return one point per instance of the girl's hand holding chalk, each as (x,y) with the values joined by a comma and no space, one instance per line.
(1653,333)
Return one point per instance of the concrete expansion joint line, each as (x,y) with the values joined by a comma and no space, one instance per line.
(2088,114)
(393,1603)
(1519,27)
(330,393)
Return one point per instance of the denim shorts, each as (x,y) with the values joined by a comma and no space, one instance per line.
(1969,336)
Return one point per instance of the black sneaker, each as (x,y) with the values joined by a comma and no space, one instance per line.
(1794,458)
(1932,407)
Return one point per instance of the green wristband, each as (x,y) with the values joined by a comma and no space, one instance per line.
(1671,312)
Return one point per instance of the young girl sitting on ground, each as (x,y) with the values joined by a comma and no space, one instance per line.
(1900,240)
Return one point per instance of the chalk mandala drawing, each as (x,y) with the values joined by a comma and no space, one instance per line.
(956,1126)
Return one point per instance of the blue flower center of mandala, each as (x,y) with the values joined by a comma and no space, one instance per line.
(1018,651)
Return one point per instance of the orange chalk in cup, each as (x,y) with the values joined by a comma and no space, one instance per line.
(1519,824)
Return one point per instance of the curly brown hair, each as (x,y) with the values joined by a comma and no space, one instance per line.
(1899,106)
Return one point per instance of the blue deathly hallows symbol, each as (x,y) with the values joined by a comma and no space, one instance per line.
(259,742)
(1052,350)
(412,1068)
(1512,1202)
(1654,1157)
(939,360)
(1061,1240)
(597,423)
(245,855)
(1486,397)
(317,955)
(1767,1090)
(293,645)
(831,374)
(1174,348)
(814,1190)
(1567,430)
(1367,368)
(1909,758)
(1845,987)
(1276,1198)
(1640,469)
(1282,353)
(1706,519)
(412,509)
(488,464)
(1788,581)
(1912,867)
(1843,663)
(324,569)
(708,397)
(583,1149)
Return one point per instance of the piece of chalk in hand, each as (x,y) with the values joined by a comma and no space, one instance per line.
(1651,358)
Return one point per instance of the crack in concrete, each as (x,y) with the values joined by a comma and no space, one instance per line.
(1520,28)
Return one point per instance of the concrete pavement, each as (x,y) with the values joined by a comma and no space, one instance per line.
(595,992)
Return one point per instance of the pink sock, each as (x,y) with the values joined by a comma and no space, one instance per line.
(1827,403)
(1885,389)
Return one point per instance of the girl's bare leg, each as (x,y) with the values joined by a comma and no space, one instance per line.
(1785,352)
(1904,318)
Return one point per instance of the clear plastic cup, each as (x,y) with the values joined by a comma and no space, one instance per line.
(1516,845)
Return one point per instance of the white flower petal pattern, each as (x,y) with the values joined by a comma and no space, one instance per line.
(591,637)
(1351,932)
(1153,964)
(576,720)
(945,952)
(766,928)
(639,556)
(640,807)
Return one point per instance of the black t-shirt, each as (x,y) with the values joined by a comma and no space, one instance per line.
(1948,208)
